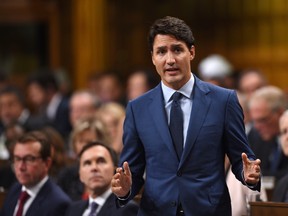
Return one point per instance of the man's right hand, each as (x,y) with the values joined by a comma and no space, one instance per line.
(122,181)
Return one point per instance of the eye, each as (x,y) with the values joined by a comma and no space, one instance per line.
(284,131)
(29,159)
(177,49)
(161,51)
(101,161)
(86,163)
(16,159)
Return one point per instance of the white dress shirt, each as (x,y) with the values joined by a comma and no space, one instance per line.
(100,200)
(185,102)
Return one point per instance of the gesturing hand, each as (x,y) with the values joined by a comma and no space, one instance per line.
(122,181)
(251,170)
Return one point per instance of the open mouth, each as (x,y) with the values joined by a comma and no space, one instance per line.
(172,70)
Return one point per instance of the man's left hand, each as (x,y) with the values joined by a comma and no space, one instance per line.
(252,171)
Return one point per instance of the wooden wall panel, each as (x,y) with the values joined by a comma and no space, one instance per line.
(112,34)
(89,39)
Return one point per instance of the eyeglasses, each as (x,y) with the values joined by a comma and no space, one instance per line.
(28,160)
(264,120)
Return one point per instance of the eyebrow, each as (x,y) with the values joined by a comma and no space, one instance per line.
(177,45)
(98,158)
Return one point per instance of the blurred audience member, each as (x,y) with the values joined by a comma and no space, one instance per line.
(251,80)
(87,130)
(218,70)
(92,83)
(84,131)
(83,105)
(31,162)
(280,193)
(46,98)
(110,88)
(13,110)
(266,105)
(64,82)
(243,100)
(241,195)
(113,114)
(11,134)
(97,164)
(4,81)
(13,115)
(139,82)
(8,177)
(58,153)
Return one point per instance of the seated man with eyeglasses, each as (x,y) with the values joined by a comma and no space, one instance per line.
(35,194)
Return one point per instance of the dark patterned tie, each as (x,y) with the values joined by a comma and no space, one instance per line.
(176,123)
(93,208)
(24,196)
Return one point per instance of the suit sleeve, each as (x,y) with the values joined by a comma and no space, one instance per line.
(236,140)
(133,152)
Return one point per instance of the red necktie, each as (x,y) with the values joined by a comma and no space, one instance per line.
(22,199)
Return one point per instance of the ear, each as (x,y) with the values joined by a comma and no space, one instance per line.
(48,163)
(192,52)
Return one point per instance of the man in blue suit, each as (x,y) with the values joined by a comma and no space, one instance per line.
(191,183)
(97,163)
(31,161)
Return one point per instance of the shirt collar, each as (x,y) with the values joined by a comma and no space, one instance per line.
(100,200)
(186,89)
(33,191)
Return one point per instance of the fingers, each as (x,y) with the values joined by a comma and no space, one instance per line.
(257,161)
(245,158)
(122,180)
(247,162)
(252,171)
(126,169)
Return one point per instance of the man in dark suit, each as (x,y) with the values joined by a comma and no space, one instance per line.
(280,193)
(31,161)
(96,169)
(266,105)
(13,111)
(51,104)
(188,181)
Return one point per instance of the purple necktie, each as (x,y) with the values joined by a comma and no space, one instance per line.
(93,207)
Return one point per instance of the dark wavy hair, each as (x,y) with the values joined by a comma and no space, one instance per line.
(111,151)
(171,26)
(36,136)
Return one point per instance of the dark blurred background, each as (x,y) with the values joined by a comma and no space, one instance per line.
(84,37)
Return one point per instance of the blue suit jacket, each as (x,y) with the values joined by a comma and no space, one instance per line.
(50,201)
(109,208)
(198,180)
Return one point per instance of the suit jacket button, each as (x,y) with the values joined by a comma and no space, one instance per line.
(179,173)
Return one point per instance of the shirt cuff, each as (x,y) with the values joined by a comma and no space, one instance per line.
(125,197)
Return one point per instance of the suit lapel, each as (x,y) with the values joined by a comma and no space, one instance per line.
(201,104)
(36,204)
(83,205)
(108,206)
(14,199)
(158,113)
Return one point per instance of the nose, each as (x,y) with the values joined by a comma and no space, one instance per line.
(21,165)
(170,58)
(94,167)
